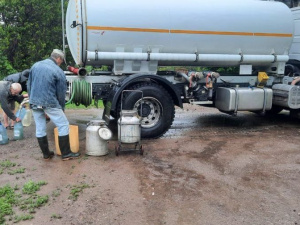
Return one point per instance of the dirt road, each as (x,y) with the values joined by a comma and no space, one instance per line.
(209,169)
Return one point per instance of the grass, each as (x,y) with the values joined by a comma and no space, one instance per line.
(76,189)
(27,201)
(93,105)
(55,216)
(13,172)
(7,165)
(32,187)
(22,217)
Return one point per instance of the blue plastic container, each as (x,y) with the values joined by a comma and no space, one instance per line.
(3,135)
(18,129)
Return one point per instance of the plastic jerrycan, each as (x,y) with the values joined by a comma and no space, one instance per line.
(3,135)
(74,139)
(26,121)
(18,129)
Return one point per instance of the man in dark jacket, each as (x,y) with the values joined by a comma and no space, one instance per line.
(20,78)
(9,92)
(47,88)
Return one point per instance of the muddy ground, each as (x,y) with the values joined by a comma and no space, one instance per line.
(209,169)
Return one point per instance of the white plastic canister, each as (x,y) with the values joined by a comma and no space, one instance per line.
(129,127)
(97,135)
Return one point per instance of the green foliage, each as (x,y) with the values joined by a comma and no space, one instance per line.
(29,30)
(31,187)
(199,68)
(7,164)
(19,170)
(33,202)
(76,189)
(22,217)
(9,199)
(93,105)
(55,216)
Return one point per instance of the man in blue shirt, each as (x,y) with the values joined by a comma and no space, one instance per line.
(47,89)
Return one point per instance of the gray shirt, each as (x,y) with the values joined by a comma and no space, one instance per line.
(6,97)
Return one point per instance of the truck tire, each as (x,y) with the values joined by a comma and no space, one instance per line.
(158,109)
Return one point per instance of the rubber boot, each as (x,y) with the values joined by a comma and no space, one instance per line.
(64,145)
(43,143)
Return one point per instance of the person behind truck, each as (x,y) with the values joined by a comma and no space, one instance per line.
(20,78)
(9,92)
(47,89)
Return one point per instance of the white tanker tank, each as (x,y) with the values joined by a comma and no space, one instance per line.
(137,36)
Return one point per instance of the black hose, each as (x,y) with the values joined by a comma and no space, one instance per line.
(81,93)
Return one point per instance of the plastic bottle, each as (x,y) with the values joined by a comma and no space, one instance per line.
(26,121)
(18,129)
(3,135)
(21,113)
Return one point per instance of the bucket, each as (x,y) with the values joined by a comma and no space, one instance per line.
(97,135)
(74,139)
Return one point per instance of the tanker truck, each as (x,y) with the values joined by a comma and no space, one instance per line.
(137,40)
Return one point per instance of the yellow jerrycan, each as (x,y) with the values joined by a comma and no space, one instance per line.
(74,139)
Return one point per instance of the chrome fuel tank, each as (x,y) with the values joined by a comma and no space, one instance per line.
(243,99)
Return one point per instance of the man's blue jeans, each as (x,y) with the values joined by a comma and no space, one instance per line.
(57,116)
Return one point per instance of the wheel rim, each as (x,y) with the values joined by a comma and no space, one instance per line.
(151,111)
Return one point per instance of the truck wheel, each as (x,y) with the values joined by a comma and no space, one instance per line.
(158,109)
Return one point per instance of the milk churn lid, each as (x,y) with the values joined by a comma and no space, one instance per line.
(105,133)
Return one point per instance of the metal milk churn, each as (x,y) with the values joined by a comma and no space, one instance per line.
(129,127)
(97,135)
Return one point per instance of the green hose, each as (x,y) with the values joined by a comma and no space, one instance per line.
(81,93)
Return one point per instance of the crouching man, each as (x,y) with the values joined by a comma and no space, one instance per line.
(9,93)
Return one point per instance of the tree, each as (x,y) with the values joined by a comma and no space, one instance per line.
(29,30)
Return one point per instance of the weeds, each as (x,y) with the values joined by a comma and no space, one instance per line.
(54,216)
(22,217)
(7,164)
(32,187)
(9,199)
(13,172)
(76,189)
(33,202)
(56,193)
